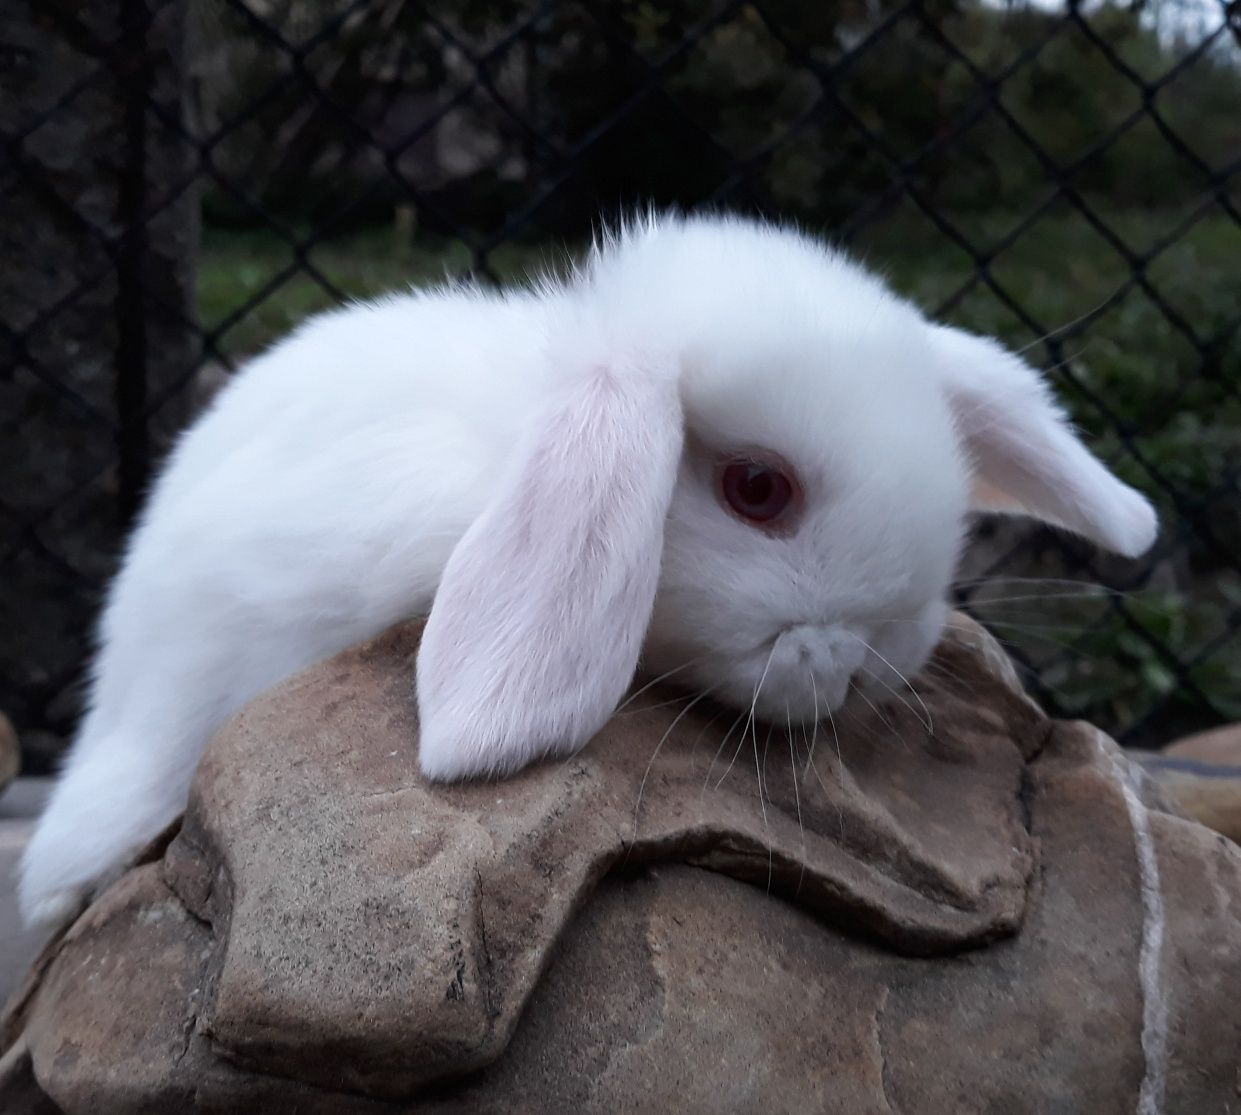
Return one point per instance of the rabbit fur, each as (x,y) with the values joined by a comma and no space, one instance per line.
(537,471)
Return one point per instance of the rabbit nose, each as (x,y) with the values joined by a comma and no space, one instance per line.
(808,670)
(825,648)
(826,657)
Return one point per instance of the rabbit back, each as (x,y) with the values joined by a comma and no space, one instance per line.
(314,504)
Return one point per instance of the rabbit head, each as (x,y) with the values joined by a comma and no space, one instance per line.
(755,474)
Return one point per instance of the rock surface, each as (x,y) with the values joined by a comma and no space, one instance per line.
(10,756)
(19,805)
(1220,745)
(1201,774)
(993,915)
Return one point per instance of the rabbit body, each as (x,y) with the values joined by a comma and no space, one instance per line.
(718,446)
(312,506)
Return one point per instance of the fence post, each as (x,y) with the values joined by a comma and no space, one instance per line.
(133,443)
(98,233)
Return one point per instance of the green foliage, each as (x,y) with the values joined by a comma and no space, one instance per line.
(1114,659)
(252,289)
(964,103)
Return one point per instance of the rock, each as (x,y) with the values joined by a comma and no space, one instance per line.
(995,915)
(10,756)
(19,805)
(1220,745)
(1202,774)
(1210,793)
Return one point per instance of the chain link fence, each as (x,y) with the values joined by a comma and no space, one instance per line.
(183,181)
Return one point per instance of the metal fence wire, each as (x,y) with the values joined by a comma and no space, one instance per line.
(183,181)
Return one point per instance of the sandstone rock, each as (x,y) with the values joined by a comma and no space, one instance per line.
(10,756)
(992,915)
(1202,775)
(1220,745)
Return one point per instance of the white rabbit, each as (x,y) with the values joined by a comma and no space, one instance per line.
(719,447)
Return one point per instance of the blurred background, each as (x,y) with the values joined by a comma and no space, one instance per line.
(183,181)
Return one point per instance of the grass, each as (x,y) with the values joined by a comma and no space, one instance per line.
(1130,366)
(237,269)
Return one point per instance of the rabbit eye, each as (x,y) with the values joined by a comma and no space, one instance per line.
(755,491)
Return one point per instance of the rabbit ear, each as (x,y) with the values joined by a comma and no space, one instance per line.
(539,619)
(1025,455)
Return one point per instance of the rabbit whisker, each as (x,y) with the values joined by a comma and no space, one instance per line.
(660,704)
(874,708)
(1096,593)
(954,682)
(760,773)
(750,722)
(801,828)
(1065,645)
(1022,625)
(655,755)
(950,626)
(814,736)
(703,730)
(655,681)
(1000,578)
(886,720)
(1107,301)
(927,723)
(810,763)
(715,759)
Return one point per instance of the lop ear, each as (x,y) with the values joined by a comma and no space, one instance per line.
(1025,456)
(539,619)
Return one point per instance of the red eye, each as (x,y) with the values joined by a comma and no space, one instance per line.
(757,492)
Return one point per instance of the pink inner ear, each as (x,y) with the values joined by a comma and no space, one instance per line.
(539,619)
(987,497)
(1026,457)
